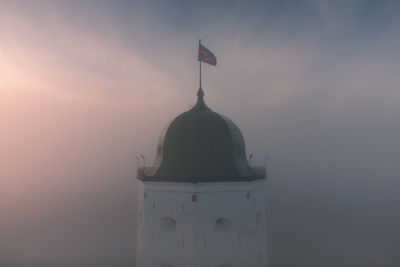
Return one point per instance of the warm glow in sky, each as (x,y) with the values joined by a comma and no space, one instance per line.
(86,86)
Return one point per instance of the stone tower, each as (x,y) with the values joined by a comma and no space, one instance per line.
(201,204)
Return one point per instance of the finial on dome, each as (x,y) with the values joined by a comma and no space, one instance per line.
(200,92)
(200,105)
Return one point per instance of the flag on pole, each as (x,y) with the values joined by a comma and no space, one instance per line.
(206,56)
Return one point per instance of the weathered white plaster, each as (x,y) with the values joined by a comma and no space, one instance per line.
(202,225)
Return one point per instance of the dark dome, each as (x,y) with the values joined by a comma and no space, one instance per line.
(201,146)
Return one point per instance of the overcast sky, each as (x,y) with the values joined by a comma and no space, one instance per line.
(87,85)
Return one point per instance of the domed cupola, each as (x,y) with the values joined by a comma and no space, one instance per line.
(200,145)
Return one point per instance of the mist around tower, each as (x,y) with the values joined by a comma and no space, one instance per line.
(113,154)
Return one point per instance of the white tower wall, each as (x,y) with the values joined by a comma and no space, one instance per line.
(218,224)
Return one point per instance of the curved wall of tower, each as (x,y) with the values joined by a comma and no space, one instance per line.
(217,224)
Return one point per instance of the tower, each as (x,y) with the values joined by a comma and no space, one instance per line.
(201,204)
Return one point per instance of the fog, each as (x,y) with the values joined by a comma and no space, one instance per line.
(86,87)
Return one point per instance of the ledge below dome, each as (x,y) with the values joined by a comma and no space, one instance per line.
(144,174)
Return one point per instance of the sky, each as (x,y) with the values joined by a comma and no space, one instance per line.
(85,86)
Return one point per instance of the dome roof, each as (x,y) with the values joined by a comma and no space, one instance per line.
(201,145)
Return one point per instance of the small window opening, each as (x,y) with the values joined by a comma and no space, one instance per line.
(194,197)
(222,224)
(248,195)
(167,224)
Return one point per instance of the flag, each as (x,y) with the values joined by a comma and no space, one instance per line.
(206,56)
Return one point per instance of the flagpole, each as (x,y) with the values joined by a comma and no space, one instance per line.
(200,62)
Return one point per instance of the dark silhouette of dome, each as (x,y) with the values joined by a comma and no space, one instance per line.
(201,146)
